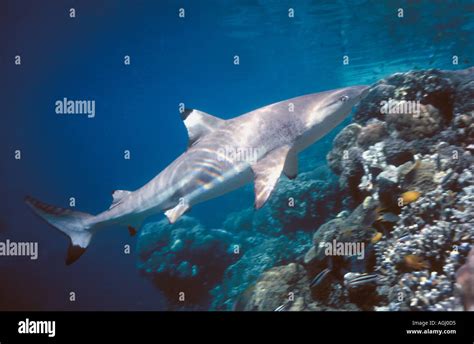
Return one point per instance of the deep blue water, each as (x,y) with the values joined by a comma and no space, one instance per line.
(173,60)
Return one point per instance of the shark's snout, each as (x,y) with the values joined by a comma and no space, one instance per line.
(363,91)
(354,94)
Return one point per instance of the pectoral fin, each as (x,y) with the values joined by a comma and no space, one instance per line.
(291,165)
(175,213)
(267,171)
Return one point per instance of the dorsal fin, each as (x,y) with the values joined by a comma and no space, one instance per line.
(199,123)
(117,196)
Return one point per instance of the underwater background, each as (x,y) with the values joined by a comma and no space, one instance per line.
(180,60)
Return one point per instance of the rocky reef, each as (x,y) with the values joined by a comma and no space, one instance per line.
(418,166)
(388,227)
(405,164)
(184,258)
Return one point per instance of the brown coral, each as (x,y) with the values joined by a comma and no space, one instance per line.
(425,123)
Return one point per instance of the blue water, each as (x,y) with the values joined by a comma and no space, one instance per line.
(173,60)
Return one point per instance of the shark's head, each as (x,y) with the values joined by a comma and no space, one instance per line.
(331,107)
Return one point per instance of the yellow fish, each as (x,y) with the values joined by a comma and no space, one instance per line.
(415,262)
(410,196)
(376,238)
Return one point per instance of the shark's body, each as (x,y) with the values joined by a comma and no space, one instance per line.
(222,156)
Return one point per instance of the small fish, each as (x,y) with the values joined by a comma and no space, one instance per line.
(390,217)
(355,280)
(447,177)
(414,262)
(410,196)
(405,237)
(376,238)
(319,278)
(281,308)
(220,231)
(410,173)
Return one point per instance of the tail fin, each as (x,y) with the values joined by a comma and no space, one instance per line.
(72,223)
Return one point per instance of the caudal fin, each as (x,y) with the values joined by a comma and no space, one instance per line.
(74,224)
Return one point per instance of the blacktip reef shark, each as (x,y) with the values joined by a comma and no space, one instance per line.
(275,134)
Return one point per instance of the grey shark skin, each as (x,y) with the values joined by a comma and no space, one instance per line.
(222,155)
(465,280)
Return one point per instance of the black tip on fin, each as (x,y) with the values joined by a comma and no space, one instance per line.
(73,253)
(186,113)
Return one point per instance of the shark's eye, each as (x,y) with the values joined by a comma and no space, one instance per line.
(344,99)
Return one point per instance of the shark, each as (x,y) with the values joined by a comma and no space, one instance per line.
(222,155)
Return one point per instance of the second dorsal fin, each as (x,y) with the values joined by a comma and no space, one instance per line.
(199,123)
(117,196)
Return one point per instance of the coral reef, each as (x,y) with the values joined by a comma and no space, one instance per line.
(402,193)
(222,263)
(438,230)
(282,288)
(264,252)
(184,257)
(278,233)
(408,174)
